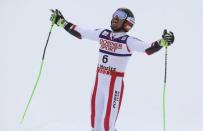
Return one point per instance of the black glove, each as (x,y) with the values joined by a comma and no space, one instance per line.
(168,37)
(57,18)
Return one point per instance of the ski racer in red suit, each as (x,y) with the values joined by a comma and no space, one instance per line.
(115,49)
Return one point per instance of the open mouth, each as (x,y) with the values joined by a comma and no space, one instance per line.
(114,23)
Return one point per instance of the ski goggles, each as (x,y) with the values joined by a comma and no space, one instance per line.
(120,14)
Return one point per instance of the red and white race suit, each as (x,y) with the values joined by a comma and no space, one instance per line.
(114,53)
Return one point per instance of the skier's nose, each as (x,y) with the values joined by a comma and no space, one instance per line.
(115,19)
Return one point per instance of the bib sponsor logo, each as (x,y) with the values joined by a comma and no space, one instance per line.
(110,45)
(116,98)
(109,68)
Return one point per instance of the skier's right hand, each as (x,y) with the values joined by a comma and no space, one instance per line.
(57,18)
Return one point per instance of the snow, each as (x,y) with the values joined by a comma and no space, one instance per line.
(62,99)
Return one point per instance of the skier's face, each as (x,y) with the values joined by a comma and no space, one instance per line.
(117,24)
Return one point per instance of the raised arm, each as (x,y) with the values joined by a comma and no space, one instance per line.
(135,44)
(73,29)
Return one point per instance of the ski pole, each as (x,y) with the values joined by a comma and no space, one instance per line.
(164,90)
(39,74)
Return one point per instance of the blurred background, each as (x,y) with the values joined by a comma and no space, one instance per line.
(62,99)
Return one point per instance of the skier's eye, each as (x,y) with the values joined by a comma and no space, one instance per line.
(120,14)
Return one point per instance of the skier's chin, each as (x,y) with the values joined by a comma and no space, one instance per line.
(115,29)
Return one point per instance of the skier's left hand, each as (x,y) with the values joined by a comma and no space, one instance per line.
(167,38)
(58,19)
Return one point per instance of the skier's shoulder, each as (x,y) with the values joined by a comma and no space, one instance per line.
(133,39)
(136,44)
(105,32)
(101,30)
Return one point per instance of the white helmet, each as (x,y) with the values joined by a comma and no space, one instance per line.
(127,15)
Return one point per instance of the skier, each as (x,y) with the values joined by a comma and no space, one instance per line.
(116,47)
